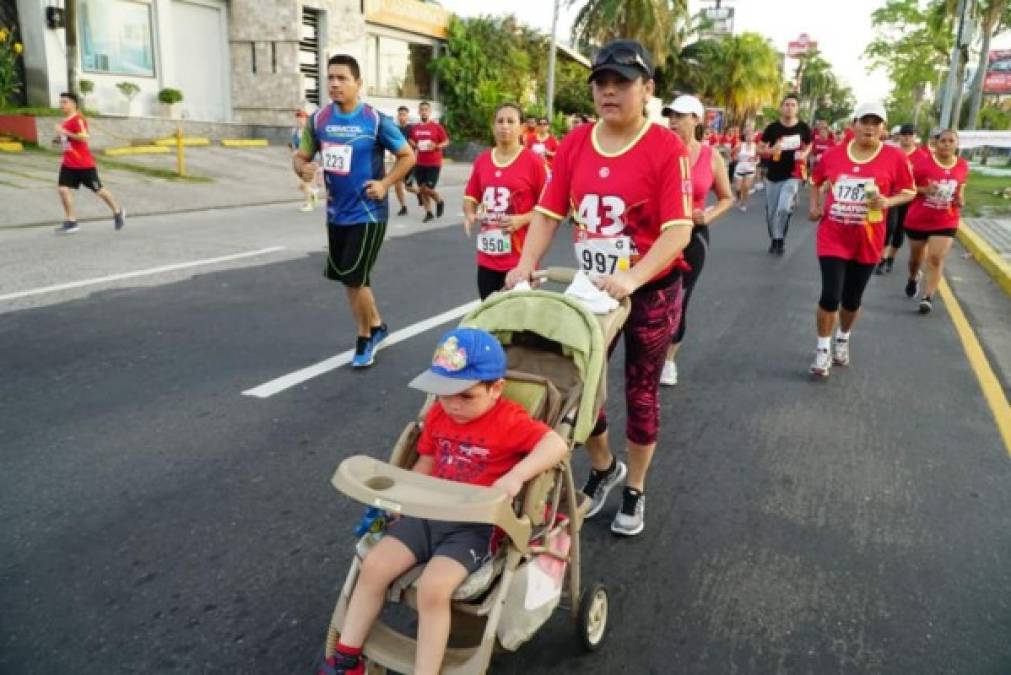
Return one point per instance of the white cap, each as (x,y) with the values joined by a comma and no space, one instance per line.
(870,108)
(685,104)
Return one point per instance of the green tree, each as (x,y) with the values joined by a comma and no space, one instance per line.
(654,23)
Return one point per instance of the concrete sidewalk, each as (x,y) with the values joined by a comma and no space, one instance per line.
(238,177)
(989,241)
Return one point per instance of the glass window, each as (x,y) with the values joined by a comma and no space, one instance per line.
(400,68)
(115,37)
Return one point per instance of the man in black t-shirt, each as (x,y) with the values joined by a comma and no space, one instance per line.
(785,146)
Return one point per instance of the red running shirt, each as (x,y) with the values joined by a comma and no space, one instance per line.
(499,190)
(821,144)
(928,213)
(541,147)
(76,154)
(483,450)
(844,231)
(636,193)
(428,134)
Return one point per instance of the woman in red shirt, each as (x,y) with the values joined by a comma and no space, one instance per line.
(627,184)
(500,197)
(709,172)
(864,177)
(933,217)
(542,143)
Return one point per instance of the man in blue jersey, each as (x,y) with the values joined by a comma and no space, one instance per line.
(351,138)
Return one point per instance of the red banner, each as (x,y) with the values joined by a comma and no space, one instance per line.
(801,46)
(998,73)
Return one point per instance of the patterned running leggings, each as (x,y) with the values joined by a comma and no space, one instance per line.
(654,316)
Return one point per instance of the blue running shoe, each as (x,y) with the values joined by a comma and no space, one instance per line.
(379,333)
(68,227)
(364,353)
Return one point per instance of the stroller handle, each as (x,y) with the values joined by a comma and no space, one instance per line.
(557,275)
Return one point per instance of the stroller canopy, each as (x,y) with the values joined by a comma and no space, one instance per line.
(555,317)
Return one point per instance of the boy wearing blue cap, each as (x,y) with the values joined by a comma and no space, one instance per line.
(471,435)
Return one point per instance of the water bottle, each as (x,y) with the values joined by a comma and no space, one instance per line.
(871,192)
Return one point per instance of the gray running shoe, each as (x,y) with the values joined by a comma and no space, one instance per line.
(68,227)
(119,219)
(631,518)
(926,305)
(600,484)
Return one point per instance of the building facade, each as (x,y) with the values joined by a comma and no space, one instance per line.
(249,61)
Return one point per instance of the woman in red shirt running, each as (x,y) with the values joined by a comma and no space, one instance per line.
(500,197)
(709,172)
(542,142)
(627,184)
(864,177)
(933,217)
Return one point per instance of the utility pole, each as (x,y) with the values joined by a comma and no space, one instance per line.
(551,65)
(951,93)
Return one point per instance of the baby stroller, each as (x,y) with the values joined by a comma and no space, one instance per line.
(557,360)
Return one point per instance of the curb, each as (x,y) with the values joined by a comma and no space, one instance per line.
(986,256)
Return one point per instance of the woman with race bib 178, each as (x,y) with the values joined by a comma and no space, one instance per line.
(865,178)
(500,197)
(627,184)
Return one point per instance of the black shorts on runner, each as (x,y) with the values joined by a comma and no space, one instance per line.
(923,235)
(75,178)
(352,252)
(427,175)
(466,543)
(409,178)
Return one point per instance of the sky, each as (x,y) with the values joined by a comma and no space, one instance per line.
(842,30)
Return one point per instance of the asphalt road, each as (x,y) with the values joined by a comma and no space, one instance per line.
(153,519)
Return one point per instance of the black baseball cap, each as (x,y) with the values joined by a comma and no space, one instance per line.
(907,130)
(627,58)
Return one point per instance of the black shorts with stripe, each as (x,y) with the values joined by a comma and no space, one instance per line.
(75,178)
(352,253)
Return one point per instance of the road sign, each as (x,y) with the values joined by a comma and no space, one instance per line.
(801,46)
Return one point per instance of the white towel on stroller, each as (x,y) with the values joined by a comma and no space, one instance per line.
(594,299)
(522,286)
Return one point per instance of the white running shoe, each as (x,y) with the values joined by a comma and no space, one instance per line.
(305,208)
(840,352)
(669,376)
(631,517)
(822,363)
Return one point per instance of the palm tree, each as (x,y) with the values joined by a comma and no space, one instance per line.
(739,72)
(654,23)
(994,17)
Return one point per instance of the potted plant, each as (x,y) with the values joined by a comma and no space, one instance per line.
(87,87)
(169,99)
(129,91)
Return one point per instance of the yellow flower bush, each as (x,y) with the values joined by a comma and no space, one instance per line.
(10,79)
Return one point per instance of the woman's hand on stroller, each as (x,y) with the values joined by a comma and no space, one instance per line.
(619,285)
(517,274)
(510,483)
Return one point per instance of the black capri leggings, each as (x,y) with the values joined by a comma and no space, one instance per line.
(843,280)
(489,281)
(695,255)
(895,231)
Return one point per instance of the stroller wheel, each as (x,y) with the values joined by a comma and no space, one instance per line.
(593,614)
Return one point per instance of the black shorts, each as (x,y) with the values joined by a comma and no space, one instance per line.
(353,250)
(427,175)
(467,543)
(75,178)
(409,178)
(923,235)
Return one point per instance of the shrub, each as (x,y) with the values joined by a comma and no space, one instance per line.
(10,80)
(127,89)
(86,86)
(170,96)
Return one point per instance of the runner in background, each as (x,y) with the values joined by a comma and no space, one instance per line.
(896,216)
(934,215)
(729,149)
(428,138)
(786,144)
(305,186)
(822,139)
(352,138)
(529,131)
(407,184)
(78,167)
(500,197)
(860,181)
(745,167)
(627,184)
(709,173)
(542,143)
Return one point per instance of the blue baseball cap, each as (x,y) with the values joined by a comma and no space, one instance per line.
(463,358)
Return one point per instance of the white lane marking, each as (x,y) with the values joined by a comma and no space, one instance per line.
(139,273)
(268,389)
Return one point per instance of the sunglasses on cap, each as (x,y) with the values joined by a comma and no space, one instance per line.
(620,55)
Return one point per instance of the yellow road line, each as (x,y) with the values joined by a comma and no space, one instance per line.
(986,256)
(988,382)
